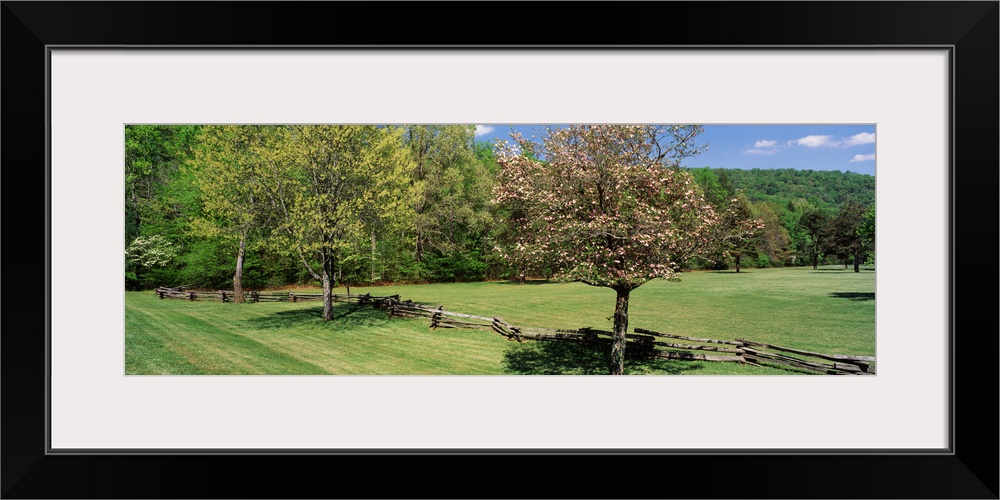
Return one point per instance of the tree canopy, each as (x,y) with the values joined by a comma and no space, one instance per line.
(606,205)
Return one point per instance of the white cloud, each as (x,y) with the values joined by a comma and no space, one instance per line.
(482,130)
(763,147)
(815,141)
(860,158)
(826,141)
(862,138)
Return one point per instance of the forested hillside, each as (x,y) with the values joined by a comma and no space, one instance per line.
(822,188)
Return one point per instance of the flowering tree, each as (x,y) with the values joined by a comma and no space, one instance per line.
(606,205)
(146,253)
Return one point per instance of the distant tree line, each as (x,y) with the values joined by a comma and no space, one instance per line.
(810,217)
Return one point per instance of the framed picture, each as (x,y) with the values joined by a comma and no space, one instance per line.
(928,86)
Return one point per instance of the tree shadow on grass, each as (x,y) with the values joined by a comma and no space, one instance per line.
(344,316)
(560,357)
(732,271)
(859,296)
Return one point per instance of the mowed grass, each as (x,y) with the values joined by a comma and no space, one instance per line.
(830,310)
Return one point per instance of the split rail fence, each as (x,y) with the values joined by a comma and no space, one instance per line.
(647,343)
(644,344)
(255,296)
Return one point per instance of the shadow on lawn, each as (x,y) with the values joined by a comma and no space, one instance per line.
(849,270)
(556,357)
(344,316)
(861,296)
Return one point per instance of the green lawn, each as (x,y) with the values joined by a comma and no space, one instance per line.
(829,310)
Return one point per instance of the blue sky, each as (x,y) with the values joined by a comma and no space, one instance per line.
(805,147)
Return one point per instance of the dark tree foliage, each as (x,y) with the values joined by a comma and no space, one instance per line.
(826,189)
(816,224)
(845,240)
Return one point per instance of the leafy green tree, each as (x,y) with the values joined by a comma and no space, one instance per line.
(816,224)
(608,207)
(725,181)
(153,154)
(798,238)
(711,187)
(229,167)
(737,232)
(331,186)
(774,241)
(866,234)
(845,239)
(450,190)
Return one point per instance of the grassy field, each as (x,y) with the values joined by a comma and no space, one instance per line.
(829,310)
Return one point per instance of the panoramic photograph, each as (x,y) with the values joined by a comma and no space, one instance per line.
(499,249)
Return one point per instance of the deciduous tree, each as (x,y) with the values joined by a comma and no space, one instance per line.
(844,238)
(450,189)
(737,232)
(774,241)
(153,154)
(607,205)
(331,186)
(228,168)
(816,224)
(866,234)
(146,253)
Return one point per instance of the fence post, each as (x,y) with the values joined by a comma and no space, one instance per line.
(436,317)
(191,295)
(292,295)
(223,297)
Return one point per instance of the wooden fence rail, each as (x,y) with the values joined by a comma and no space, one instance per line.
(649,344)
(255,296)
(849,364)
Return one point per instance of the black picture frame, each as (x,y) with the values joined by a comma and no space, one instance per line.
(969,470)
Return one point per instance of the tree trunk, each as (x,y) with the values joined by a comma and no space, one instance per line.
(737,262)
(328,280)
(238,277)
(327,297)
(815,261)
(374,277)
(418,252)
(621,326)
(845,261)
(857,258)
